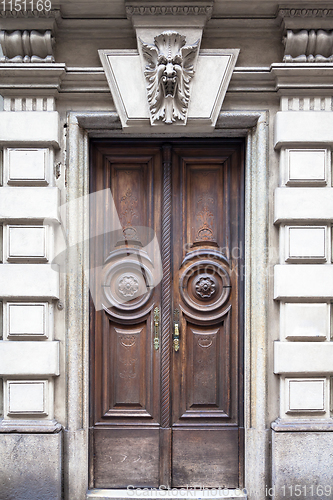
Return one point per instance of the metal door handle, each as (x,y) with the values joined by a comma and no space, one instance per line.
(176,331)
(156,328)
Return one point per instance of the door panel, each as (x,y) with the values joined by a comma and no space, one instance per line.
(126,457)
(191,465)
(207,377)
(128,382)
(205,370)
(125,369)
(162,414)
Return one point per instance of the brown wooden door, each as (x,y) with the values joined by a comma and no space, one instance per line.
(170,414)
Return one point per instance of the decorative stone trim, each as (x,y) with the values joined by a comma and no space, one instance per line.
(27,46)
(299,18)
(29,104)
(173,10)
(29,14)
(306,103)
(292,12)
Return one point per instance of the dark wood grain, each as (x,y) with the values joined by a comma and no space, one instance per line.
(205,458)
(177,417)
(119,464)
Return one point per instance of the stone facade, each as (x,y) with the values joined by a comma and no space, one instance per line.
(257,70)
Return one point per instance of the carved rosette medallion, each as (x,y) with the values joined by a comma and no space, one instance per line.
(128,285)
(205,284)
(205,287)
(169,70)
(127,280)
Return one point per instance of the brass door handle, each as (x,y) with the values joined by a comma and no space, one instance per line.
(156,328)
(176,331)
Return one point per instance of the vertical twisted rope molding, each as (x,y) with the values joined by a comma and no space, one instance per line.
(166,287)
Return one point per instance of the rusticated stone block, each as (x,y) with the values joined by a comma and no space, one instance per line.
(30,466)
(302,465)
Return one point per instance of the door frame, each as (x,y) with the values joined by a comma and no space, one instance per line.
(252,125)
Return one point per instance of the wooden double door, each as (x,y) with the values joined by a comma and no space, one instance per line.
(166,374)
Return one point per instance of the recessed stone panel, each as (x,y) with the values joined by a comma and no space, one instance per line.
(27,243)
(27,397)
(305,321)
(27,320)
(306,167)
(306,395)
(306,243)
(27,166)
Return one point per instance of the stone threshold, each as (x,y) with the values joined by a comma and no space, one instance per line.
(168,494)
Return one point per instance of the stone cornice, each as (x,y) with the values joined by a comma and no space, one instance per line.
(170,10)
(297,17)
(170,15)
(301,12)
(28,20)
(28,14)
(289,79)
(30,79)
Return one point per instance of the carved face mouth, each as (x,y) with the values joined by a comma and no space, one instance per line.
(170,70)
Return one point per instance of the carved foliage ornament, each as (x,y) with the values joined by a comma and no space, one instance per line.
(168,71)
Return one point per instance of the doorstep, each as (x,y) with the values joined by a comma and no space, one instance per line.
(172,493)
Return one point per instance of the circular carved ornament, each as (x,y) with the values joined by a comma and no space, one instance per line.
(126,283)
(205,285)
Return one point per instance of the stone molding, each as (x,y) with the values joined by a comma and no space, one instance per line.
(184,9)
(302,425)
(30,426)
(306,80)
(27,46)
(29,104)
(28,14)
(300,12)
(11,20)
(302,17)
